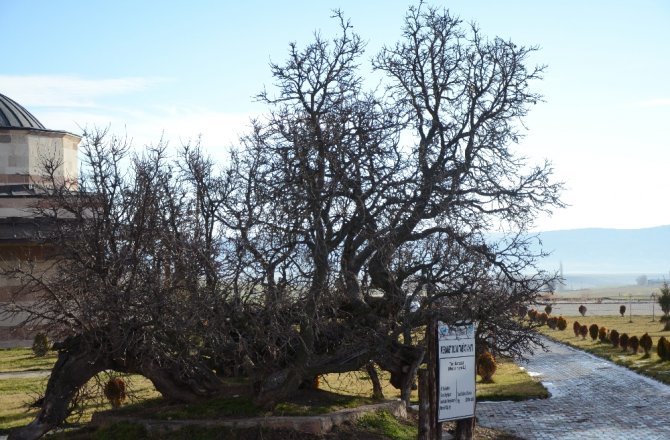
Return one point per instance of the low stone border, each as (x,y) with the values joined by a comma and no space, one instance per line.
(320,424)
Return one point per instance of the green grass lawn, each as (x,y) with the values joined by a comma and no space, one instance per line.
(509,383)
(651,366)
(355,389)
(16,395)
(23,359)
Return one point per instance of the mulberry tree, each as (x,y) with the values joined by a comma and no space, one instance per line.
(345,219)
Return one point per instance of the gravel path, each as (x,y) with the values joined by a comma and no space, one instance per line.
(591,399)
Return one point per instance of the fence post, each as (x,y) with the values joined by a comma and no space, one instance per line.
(431,342)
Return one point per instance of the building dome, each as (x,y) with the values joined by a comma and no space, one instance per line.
(26,145)
(14,115)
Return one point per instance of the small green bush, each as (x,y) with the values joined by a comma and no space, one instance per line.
(41,345)
(622,310)
(576,326)
(561,323)
(646,343)
(582,310)
(593,331)
(532,315)
(542,318)
(602,334)
(614,338)
(385,424)
(583,331)
(486,366)
(623,341)
(547,309)
(634,344)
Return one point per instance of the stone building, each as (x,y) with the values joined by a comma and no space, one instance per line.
(25,146)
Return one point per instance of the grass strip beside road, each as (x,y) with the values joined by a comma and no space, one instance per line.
(651,366)
(511,383)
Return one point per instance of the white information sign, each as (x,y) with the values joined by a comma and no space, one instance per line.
(456,371)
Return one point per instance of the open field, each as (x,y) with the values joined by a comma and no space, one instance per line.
(604,308)
(616,293)
(641,324)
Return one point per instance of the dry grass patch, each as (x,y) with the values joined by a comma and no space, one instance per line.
(649,366)
(509,383)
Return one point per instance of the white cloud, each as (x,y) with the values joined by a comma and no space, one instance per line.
(72,103)
(68,91)
(176,125)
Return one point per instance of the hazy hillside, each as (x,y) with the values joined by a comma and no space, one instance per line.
(609,251)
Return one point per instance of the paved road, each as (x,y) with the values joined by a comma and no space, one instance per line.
(591,399)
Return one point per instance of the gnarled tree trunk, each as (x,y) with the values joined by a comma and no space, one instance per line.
(77,364)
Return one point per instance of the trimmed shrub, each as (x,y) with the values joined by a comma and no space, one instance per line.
(575,328)
(486,366)
(542,318)
(582,310)
(623,341)
(115,391)
(561,323)
(614,338)
(593,331)
(622,310)
(634,344)
(532,315)
(664,302)
(662,349)
(547,309)
(523,311)
(583,331)
(646,343)
(602,334)
(40,345)
(552,322)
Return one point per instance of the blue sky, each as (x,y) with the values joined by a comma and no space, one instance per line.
(183,69)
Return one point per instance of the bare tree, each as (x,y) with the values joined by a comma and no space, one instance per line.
(366,218)
(344,221)
(133,284)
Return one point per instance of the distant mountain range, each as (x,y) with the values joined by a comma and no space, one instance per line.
(609,251)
